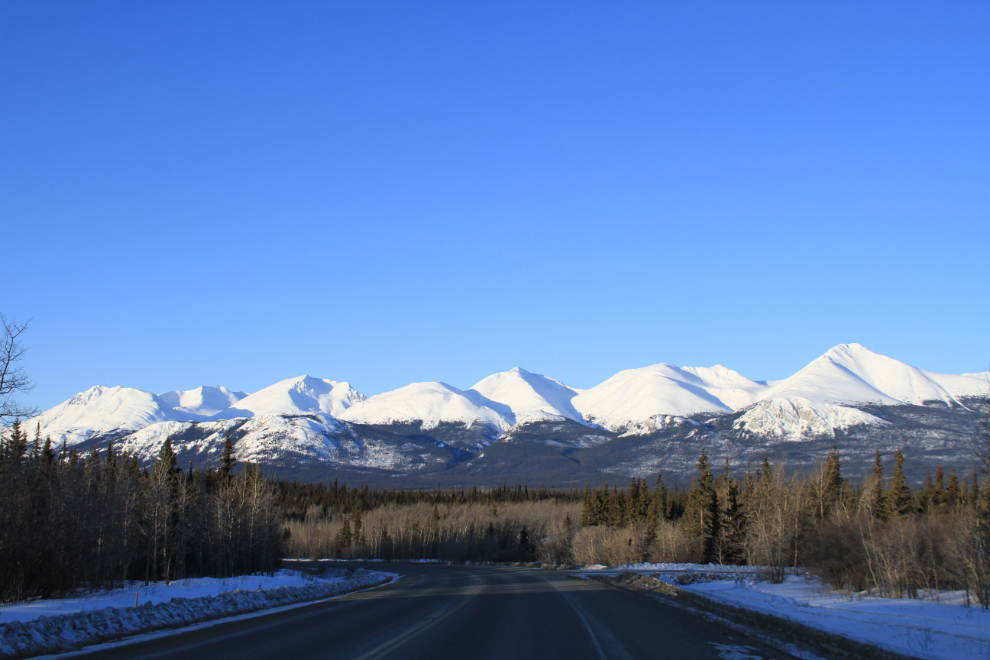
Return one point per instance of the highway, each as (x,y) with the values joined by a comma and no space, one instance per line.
(437,612)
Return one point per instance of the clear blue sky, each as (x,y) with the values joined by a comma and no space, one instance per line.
(236,193)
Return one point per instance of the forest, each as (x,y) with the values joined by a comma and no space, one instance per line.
(97,521)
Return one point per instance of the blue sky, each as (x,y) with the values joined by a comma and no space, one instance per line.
(236,193)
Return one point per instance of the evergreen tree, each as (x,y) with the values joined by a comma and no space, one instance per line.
(733,527)
(632,504)
(227,461)
(359,528)
(525,547)
(938,497)
(927,499)
(343,540)
(899,499)
(701,516)
(953,493)
(660,500)
(587,509)
(17,443)
(47,456)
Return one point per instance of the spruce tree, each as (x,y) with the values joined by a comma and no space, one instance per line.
(632,504)
(359,529)
(927,497)
(938,498)
(953,492)
(227,461)
(899,499)
(343,540)
(660,499)
(733,528)
(47,456)
(525,547)
(701,517)
(587,509)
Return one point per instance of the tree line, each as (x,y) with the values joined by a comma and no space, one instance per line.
(96,521)
(876,535)
(299,499)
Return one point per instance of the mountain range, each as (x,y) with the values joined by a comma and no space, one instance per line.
(527,427)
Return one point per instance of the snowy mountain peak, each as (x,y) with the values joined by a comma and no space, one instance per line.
(530,397)
(852,373)
(299,396)
(431,403)
(631,397)
(100,411)
(205,400)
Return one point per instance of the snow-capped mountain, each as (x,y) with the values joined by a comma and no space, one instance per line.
(823,397)
(298,396)
(521,423)
(530,397)
(850,373)
(639,399)
(204,401)
(101,411)
(430,404)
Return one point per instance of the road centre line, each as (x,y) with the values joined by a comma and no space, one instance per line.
(615,647)
(419,628)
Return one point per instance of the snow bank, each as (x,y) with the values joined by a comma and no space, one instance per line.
(46,634)
(156,593)
(922,628)
(698,568)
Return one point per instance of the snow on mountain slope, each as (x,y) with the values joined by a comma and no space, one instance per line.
(819,399)
(100,411)
(730,387)
(205,400)
(963,385)
(850,373)
(265,439)
(632,397)
(797,418)
(297,396)
(432,403)
(530,397)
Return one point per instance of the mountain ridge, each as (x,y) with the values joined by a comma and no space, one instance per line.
(433,428)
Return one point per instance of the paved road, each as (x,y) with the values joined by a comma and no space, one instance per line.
(437,612)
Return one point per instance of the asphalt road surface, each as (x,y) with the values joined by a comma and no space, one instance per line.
(437,612)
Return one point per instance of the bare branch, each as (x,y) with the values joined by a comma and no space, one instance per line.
(13,378)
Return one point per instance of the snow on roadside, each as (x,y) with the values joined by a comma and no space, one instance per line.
(154,593)
(92,619)
(922,627)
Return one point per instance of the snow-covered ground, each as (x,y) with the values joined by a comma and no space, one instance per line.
(154,593)
(53,625)
(924,628)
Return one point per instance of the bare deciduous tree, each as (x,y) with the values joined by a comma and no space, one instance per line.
(13,379)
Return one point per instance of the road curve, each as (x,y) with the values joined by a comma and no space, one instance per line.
(436,612)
